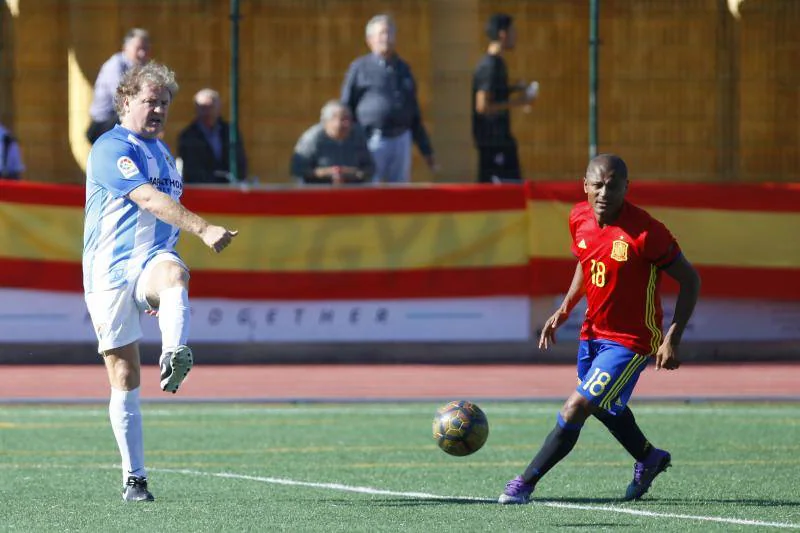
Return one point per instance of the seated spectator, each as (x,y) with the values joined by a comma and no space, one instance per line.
(135,52)
(204,145)
(333,151)
(11,166)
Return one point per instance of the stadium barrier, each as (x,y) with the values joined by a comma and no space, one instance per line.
(415,274)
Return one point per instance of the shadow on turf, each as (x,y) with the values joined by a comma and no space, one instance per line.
(735,501)
(412,502)
(677,501)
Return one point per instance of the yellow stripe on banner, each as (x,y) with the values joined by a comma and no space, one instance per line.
(41,232)
(735,238)
(368,242)
(707,236)
(549,232)
(300,243)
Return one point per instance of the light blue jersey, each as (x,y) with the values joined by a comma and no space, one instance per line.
(119,237)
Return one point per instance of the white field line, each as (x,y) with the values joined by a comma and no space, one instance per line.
(427,496)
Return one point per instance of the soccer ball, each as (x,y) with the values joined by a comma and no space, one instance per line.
(460,428)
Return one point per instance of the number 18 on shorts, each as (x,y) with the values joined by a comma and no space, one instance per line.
(608,373)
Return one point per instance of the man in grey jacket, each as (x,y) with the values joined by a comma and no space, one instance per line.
(382,94)
(333,151)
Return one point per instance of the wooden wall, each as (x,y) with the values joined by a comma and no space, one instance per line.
(687,92)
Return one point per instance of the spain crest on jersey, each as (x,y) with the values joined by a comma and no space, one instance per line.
(619,251)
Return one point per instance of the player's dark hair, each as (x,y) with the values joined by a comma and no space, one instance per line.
(608,164)
(497,23)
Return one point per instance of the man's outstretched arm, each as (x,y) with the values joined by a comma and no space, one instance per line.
(163,207)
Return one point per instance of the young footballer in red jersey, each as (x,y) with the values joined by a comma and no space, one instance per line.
(621,252)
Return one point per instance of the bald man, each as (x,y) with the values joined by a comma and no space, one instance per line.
(204,145)
(621,252)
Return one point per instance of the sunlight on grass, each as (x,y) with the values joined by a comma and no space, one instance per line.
(375,467)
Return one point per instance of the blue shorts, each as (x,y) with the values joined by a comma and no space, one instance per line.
(608,372)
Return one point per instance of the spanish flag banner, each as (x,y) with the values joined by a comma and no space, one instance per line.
(419,242)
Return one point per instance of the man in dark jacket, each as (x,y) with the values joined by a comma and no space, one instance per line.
(204,145)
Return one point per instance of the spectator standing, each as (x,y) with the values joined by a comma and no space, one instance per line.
(11,165)
(135,52)
(492,102)
(380,90)
(333,151)
(204,145)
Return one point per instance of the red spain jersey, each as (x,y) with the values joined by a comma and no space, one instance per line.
(622,264)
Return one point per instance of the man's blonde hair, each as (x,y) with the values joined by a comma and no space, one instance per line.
(153,74)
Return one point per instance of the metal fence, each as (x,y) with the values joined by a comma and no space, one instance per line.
(686,91)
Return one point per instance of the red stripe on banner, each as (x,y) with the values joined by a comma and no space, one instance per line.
(310,201)
(29,192)
(783,197)
(44,275)
(358,201)
(433,198)
(362,285)
(541,277)
(550,276)
(553,276)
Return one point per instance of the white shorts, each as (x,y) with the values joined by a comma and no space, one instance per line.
(116,313)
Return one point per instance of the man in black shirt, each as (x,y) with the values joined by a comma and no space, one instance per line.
(491,105)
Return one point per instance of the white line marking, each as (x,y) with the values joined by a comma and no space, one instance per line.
(332,486)
(428,496)
(639,512)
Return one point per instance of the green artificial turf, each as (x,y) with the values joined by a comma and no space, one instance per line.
(375,467)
